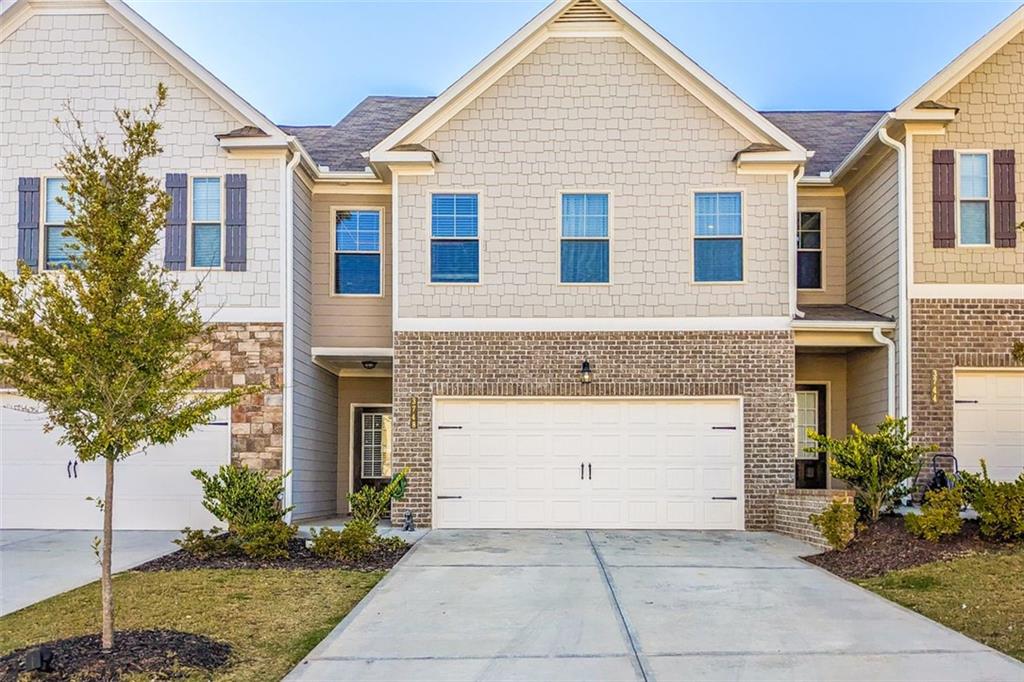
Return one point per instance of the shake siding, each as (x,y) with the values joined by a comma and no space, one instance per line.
(339,321)
(872,221)
(315,390)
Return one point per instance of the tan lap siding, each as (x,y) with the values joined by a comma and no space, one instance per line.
(872,255)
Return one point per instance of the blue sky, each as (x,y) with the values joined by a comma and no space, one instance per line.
(310,62)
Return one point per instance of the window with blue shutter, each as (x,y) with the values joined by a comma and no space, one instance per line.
(454,243)
(584,249)
(207,223)
(357,253)
(718,237)
(59,246)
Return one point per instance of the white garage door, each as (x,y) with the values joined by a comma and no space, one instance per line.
(44,486)
(588,464)
(988,422)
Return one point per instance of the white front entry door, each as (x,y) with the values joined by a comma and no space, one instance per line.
(988,422)
(42,485)
(588,463)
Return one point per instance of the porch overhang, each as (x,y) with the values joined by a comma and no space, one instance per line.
(354,362)
(837,336)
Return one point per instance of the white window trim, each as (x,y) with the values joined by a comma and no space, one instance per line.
(821,223)
(479,229)
(990,200)
(43,233)
(693,235)
(191,223)
(332,249)
(559,238)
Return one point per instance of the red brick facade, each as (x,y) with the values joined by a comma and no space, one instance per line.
(757,365)
(950,333)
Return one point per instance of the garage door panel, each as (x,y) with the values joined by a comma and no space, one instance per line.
(988,422)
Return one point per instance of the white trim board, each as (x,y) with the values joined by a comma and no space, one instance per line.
(215,315)
(585,324)
(1012,291)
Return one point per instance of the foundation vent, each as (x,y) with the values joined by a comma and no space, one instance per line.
(585,12)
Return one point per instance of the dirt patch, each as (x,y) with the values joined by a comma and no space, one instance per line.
(299,557)
(159,654)
(887,546)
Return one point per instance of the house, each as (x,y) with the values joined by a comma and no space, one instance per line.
(585,286)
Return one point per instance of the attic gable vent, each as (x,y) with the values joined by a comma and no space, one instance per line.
(585,12)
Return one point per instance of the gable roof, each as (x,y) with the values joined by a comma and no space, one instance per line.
(340,147)
(831,135)
(582,18)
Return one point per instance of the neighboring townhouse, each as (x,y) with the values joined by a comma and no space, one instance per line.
(586,286)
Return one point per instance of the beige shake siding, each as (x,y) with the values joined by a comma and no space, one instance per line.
(348,321)
(872,253)
(833,210)
(590,114)
(991,116)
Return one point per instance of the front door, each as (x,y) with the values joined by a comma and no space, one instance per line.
(811,413)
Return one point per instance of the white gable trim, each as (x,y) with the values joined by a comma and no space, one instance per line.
(963,65)
(648,42)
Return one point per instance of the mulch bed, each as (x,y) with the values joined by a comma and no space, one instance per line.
(887,546)
(299,557)
(159,654)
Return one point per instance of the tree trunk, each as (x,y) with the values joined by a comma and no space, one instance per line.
(106,583)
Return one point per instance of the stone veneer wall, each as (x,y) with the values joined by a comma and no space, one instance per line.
(252,353)
(793,509)
(950,333)
(757,365)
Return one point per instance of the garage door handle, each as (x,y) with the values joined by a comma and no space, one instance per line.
(724,498)
(966,402)
(76,468)
(449,497)
(581,471)
(590,472)
(449,427)
(69,468)
(723,428)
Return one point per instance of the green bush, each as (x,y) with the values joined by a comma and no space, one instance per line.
(999,504)
(940,515)
(240,496)
(355,542)
(265,539)
(876,464)
(204,543)
(325,542)
(370,504)
(837,523)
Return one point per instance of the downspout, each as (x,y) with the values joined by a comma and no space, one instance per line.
(794,219)
(903,306)
(890,384)
(288,246)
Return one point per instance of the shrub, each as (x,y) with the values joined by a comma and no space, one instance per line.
(876,464)
(940,515)
(370,504)
(355,542)
(265,539)
(204,543)
(325,542)
(837,523)
(999,504)
(240,496)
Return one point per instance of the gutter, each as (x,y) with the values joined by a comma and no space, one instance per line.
(794,219)
(288,173)
(890,384)
(903,314)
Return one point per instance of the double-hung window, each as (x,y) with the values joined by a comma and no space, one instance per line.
(584,249)
(58,245)
(974,199)
(718,237)
(454,240)
(207,231)
(357,252)
(808,252)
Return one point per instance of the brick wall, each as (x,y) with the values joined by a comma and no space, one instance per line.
(950,333)
(793,509)
(757,365)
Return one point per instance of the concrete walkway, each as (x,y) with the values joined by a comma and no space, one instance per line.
(36,564)
(577,605)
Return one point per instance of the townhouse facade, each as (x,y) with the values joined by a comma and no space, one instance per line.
(585,286)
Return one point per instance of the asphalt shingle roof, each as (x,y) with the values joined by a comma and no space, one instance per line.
(840,313)
(831,135)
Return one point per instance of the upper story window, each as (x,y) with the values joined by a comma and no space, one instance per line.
(584,250)
(207,230)
(454,241)
(718,237)
(974,197)
(808,253)
(58,247)
(357,252)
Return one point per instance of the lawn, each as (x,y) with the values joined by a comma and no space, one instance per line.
(981,595)
(271,617)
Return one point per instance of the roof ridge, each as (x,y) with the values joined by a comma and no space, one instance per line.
(824,111)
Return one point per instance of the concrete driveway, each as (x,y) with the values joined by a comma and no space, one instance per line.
(577,605)
(36,564)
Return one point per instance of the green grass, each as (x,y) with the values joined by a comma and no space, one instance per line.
(270,617)
(981,596)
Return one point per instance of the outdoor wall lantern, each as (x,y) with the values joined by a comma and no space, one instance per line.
(369,364)
(586,376)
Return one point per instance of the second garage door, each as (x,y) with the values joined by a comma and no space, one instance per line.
(593,463)
(988,422)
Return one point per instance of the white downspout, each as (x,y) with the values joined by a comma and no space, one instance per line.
(794,220)
(903,307)
(890,384)
(288,246)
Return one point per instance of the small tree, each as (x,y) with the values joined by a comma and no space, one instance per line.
(875,464)
(112,347)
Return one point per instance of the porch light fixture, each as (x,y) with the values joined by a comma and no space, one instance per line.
(586,376)
(369,364)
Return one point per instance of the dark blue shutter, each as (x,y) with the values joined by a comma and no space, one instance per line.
(176,236)
(28,222)
(234,254)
